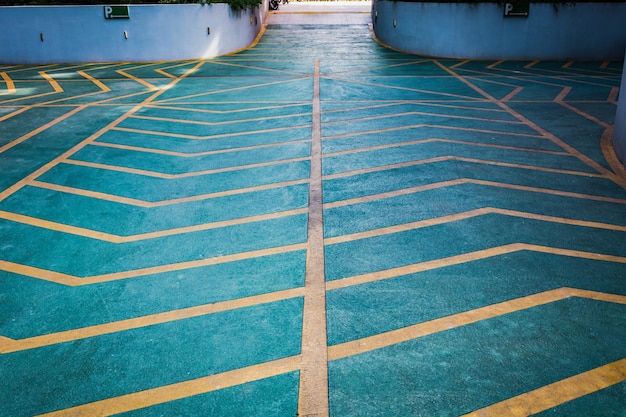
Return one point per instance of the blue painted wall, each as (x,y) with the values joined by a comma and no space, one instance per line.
(480,31)
(155,33)
(619,133)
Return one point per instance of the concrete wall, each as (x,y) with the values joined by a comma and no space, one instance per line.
(480,31)
(154,33)
(619,133)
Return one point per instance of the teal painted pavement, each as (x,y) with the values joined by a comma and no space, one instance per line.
(158,252)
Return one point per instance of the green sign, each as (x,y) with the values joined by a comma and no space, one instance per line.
(517,9)
(116,12)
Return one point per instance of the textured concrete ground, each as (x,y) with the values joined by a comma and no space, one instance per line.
(314,226)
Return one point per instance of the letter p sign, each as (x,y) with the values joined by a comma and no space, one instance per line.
(116,12)
(517,9)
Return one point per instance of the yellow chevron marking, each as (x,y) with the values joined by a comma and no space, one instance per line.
(15,113)
(442,140)
(512,94)
(436,126)
(460,181)
(564,92)
(194,154)
(147,204)
(557,393)
(185,174)
(394,87)
(9,83)
(183,108)
(228,90)
(139,80)
(226,122)
(584,114)
(111,238)
(8,345)
(464,258)
(55,85)
(73,281)
(28,179)
(532,64)
(97,82)
(404,334)
(468,215)
(39,130)
(209,137)
(575,152)
(421,113)
(613,95)
(495,64)
(180,390)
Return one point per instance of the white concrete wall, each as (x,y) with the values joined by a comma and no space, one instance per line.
(619,133)
(155,33)
(480,31)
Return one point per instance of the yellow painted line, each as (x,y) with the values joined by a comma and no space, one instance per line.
(8,345)
(564,92)
(532,64)
(557,393)
(613,95)
(465,258)
(15,113)
(112,238)
(568,64)
(146,204)
(97,82)
(31,177)
(606,144)
(416,331)
(182,108)
(393,87)
(228,90)
(139,80)
(468,215)
(495,64)
(162,72)
(194,154)
(575,152)
(460,159)
(459,64)
(512,94)
(584,114)
(403,64)
(313,392)
(419,113)
(55,85)
(155,174)
(9,83)
(436,126)
(180,390)
(225,122)
(209,137)
(442,140)
(74,281)
(462,181)
(265,71)
(40,129)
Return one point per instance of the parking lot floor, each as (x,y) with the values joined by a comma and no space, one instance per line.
(317,225)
